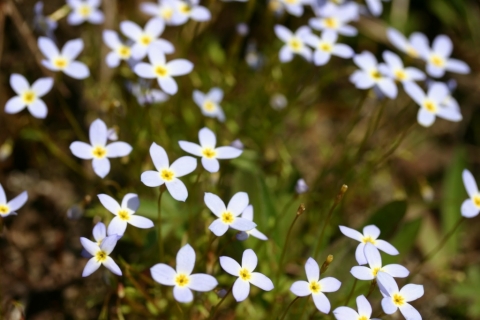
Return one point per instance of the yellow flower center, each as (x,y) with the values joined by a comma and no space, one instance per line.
(145,39)
(185,8)
(60,62)
(84,10)
(124,52)
(274,5)
(244,274)
(430,106)
(227,217)
(182,280)
(209,153)
(291,1)
(166,13)
(375,271)
(331,22)
(376,75)
(398,299)
(4,209)
(28,96)
(209,106)
(161,71)
(437,61)
(167,175)
(295,44)
(363,318)
(124,215)
(99,152)
(476,201)
(368,239)
(412,52)
(314,287)
(401,75)
(327,47)
(101,256)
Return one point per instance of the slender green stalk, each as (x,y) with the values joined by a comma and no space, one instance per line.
(338,198)
(351,292)
(372,126)
(288,308)
(305,308)
(300,210)
(215,309)
(159,220)
(373,285)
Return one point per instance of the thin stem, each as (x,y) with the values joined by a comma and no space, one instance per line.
(300,210)
(215,309)
(351,292)
(373,285)
(288,307)
(305,307)
(159,220)
(338,198)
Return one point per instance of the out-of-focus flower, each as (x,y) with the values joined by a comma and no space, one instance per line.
(364,311)
(335,18)
(431,103)
(182,279)
(162,70)
(394,69)
(29,96)
(242,29)
(124,214)
(228,216)
(145,94)
(301,186)
(294,43)
(294,7)
(10,207)
(189,9)
(408,46)
(375,6)
(112,134)
(75,212)
(470,207)
(245,274)
(399,299)
(207,150)
(85,10)
(370,235)
(64,60)
(237,144)
(209,103)
(100,255)
(278,101)
(43,23)
(99,232)
(120,51)
(375,265)
(369,75)
(315,287)
(248,214)
(98,150)
(167,173)
(253,57)
(165,10)
(438,57)
(326,46)
(146,38)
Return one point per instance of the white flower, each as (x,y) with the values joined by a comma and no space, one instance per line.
(245,274)
(167,173)
(294,43)
(98,150)
(438,57)
(120,51)
(394,69)
(210,103)
(315,286)
(182,278)
(29,96)
(64,60)
(301,186)
(294,7)
(189,9)
(408,46)
(364,311)
(431,103)
(228,216)
(326,46)
(100,255)
(86,10)
(370,234)
(375,265)
(124,214)
(399,299)
(369,75)
(336,18)
(99,232)
(470,207)
(162,70)
(145,38)
(9,208)
(165,10)
(112,134)
(248,214)
(207,150)
(375,6)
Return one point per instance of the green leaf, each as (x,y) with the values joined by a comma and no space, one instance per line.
(388,217)
(404,240)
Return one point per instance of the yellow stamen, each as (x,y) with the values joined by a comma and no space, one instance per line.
(400,75)
(209,153)
(368,239)
(327,47)
(430,106)
(375,271)
(363,318)
(227,217)
(182,280)
(376,75)
(124,215)
(295,44)
(412,52)
(101,256)
(167,175)
(145,39)
(209,106)
(314,287)
(437,61)
(476,200)
(99,152)
(124,52)
(166,13)
(185,8)
(331,22)
(244,274)
(161,71)
(4,209)
(84,10)
(398,299)
(28,96)
(291,1)
(60,63)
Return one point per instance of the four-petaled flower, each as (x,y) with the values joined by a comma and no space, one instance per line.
(9,207)
(470,207)
(294,43)
(124,214)
(167,173)
(410,45)
(64,60)
(210,103)
(370,235)
(248,214)
(84,10)
(315,286)
(336,18)
(207,150)
(228,216)
(394,69)
(364,311)
(182,278)
(98,150)
(189,9)
(29,96)
(326,46)
(100,255)
(245,274)
(120,51)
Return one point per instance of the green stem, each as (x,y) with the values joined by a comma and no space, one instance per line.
(288,307)
(159,221)
(215,309)
(372,287)
(351,292)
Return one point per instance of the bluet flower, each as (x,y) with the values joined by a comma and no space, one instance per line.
(100,255)
(470,207)
(85,10)
(294,43)
(364,311)
(209,103)
(10,207)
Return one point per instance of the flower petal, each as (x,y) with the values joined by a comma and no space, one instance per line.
(131,201)
(183,166)
(321,302)
(168,84)
(249,260)
(365,60)
(238,203)
(351,233)
(3,197)
(396,270)
(72,49)
(19,83)
(99,231)
(191,147)
(140,222)
(179,67)
(242,224)
(98,133)
(183,295)
(425,118)
(442,45)
(42,86)
(241,289)
(362,273)
(144,70)
(260,280)
(228,152)
(207,138)
(131,30)
(151,179)
(159,157)
(345,313)
(109,203)
(48,48)
(218,227)
(386,247)
(230,266)
(38,109)
(155,27)
(118,149)
(101,167)
(360,255)
(14,105)
(363,306)
(185,259)
(283,33)
(412,292)
(112,266)
(215,94)
(329,284)
(312,270)
(77,70)
(177,189)
(409,312)
(90,246)
(18,202)
(300,288)
(388,306)
(214,203)
(91,266)
(163,274)
(469,209)
(202,282)
(386,283)
(109,243)
(457,66)
(211,165)
(373,256)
